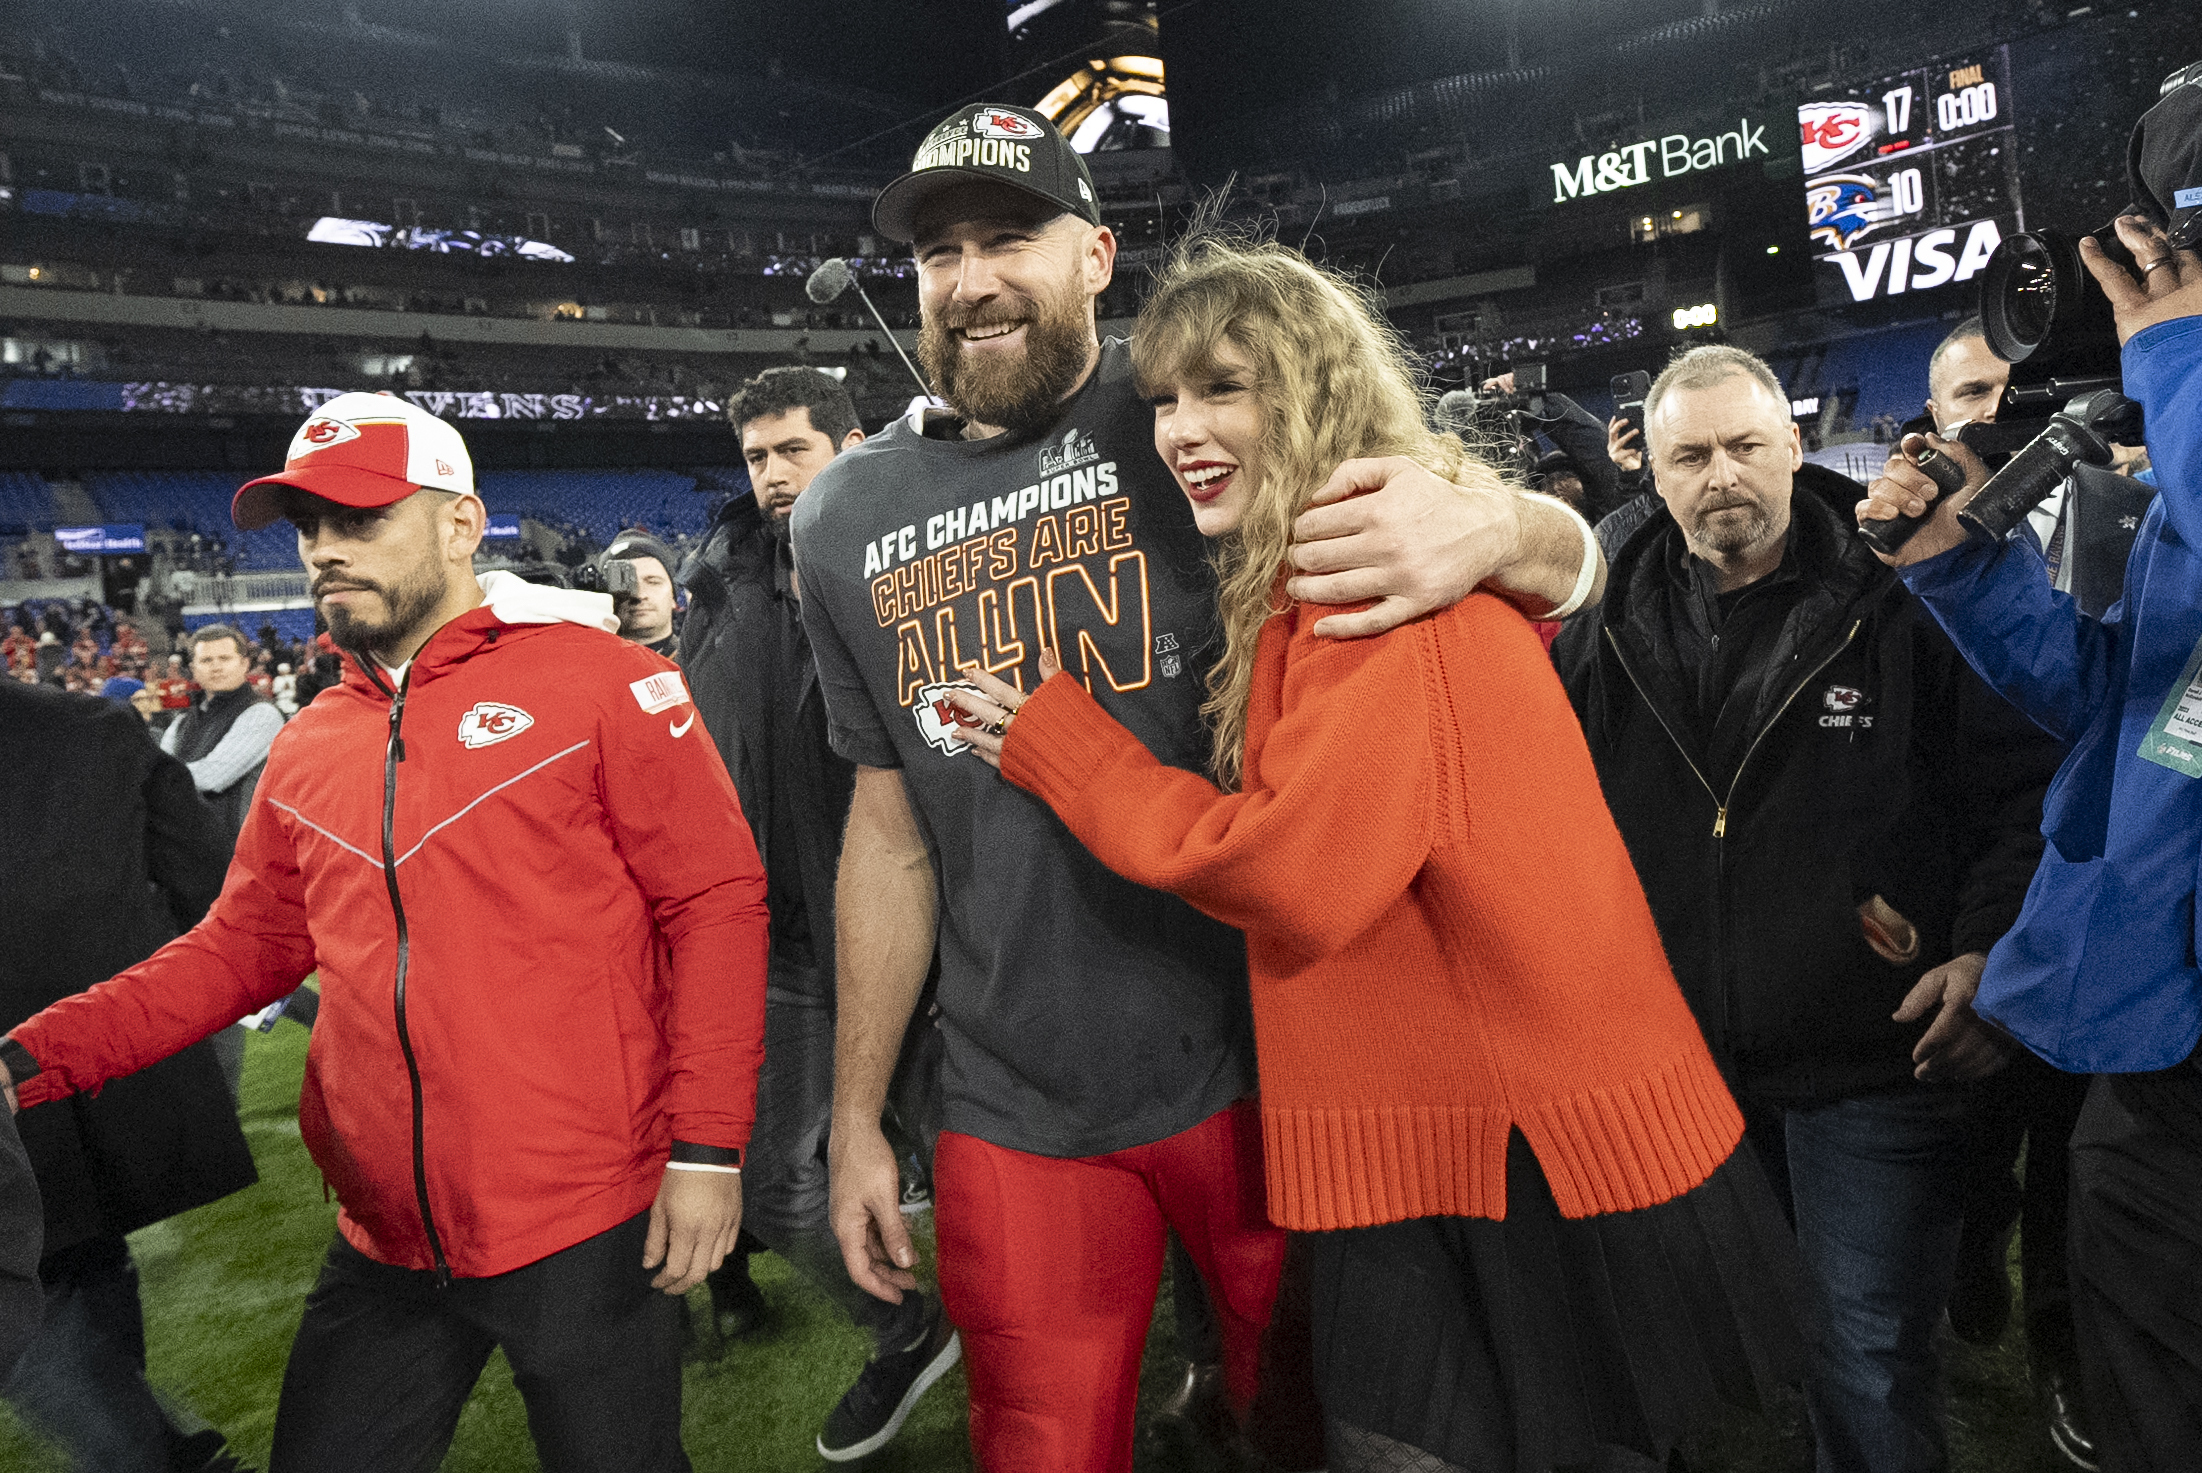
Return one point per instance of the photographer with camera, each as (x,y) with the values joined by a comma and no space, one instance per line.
(2099,975)
(2028,1110)
(646,608)
(1576,470)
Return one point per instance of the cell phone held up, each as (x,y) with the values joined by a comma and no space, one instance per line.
(1629,391)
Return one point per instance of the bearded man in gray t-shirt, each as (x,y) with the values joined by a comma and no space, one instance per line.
(1099,1076)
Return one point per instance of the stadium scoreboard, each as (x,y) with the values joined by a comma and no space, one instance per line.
(1911,180)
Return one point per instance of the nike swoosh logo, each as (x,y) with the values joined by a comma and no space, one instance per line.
(682,729)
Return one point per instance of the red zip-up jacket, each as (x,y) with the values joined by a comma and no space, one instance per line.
(539,920)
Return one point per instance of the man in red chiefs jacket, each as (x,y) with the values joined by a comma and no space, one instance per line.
(539,920)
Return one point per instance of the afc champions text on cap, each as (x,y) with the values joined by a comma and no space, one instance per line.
(992,143)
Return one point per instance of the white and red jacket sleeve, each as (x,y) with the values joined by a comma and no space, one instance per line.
(679,827)
(251,949)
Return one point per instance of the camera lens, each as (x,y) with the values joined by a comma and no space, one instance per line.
(2039,306)
(2031,293)
(2019,294)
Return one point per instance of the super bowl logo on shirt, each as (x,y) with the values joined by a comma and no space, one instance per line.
(491,722)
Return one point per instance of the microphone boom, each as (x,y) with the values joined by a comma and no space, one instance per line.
(830,280)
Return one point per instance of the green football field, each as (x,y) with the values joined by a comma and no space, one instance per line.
(224,1286)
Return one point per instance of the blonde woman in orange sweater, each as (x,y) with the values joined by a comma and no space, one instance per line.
(1533,1242)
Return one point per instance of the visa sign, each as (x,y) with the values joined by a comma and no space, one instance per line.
(1630,165)
(1918,262)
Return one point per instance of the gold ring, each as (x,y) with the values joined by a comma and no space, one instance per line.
(996,728)
(2148,266)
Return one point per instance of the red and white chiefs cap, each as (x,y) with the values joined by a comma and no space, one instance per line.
(361,450)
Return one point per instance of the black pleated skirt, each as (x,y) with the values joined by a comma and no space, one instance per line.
(1525,1345)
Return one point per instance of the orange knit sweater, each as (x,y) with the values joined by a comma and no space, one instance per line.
(1445,934)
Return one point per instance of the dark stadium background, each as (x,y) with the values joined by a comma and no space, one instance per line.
(163,317)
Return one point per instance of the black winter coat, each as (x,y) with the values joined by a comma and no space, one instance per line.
(1859,756)
(107,853)
(751,675)
(21,1303)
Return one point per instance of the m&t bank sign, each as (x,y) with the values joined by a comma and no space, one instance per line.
(1677,154)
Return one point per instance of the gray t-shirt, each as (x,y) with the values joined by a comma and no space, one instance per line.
(1083,1013)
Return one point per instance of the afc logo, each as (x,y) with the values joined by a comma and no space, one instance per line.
(321,433)
(491,722)
(1842,703)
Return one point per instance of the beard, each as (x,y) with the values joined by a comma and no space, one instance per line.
(1729,535)
(407,605)
(1019,392)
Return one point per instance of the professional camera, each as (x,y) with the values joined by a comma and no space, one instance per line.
(1500,427)
(2043,313)
(613,576)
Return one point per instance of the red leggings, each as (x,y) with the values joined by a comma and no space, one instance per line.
(1049,1268)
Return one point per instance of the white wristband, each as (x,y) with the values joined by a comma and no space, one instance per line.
(1588,576)
(701,1166)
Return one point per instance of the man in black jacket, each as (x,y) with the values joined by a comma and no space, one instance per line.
(1834,820)
(109,853)
(750,672)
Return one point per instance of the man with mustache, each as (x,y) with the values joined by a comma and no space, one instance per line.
(1099,1065)
(539,924)
(749,663)
(1834,819)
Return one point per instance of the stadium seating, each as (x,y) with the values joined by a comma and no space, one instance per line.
(598,503)
(602,502)
(25,504)
(191,501)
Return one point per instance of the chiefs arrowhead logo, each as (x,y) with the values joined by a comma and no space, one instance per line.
(1004,125)
(939,718)
(1843,698)
(320,434)
(491,722)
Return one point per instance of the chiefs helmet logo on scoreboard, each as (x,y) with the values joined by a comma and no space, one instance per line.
(1833,131)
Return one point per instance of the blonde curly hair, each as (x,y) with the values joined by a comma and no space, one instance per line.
(1334,382)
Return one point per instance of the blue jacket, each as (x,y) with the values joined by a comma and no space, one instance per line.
(2099,975)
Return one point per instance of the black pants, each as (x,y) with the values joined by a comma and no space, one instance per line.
(2137,1266)
(385,1360)
(784,1184)
(2034,1106)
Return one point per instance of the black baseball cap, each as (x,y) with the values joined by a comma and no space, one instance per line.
(989,143)
(2164,162)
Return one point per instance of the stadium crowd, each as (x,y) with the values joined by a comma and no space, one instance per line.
(1867,901)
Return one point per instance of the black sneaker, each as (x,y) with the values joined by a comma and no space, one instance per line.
(874,1409)
(1193,1427)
